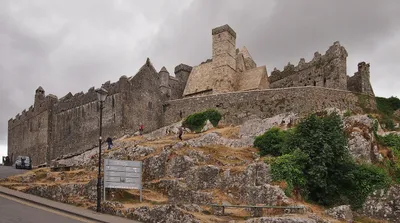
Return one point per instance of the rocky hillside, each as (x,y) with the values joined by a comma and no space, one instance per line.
(217,166)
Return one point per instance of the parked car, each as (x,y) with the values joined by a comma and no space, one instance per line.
(23,162)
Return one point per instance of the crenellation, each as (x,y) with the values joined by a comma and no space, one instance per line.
(328,70)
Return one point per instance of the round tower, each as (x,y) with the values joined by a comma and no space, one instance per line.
(164,82)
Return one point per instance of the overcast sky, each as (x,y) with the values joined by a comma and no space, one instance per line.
(73,45)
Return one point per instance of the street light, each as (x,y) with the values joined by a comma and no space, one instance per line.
(101,97)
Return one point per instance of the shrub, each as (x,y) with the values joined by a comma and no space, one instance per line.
(393,166)
(347,113)
(386,108)
(387,122)
(366,179)
(390,140)
(315,159)
(272,142)
(387,105)
(196,121)
(289,168)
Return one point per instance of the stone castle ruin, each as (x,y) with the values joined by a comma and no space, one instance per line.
(230,82)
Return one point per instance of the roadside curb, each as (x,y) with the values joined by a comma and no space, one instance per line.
(96,217)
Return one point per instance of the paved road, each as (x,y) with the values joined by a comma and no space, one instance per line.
(17,211)
(6,171)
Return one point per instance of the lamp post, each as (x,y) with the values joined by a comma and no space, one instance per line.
(101,96)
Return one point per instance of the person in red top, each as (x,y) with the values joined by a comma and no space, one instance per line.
(141,128)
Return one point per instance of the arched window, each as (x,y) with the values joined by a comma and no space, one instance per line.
(315,83)
(324,82)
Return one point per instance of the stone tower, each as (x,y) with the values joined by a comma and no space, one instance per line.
(182,72)
(164,82)
(224,58)
(363,71)
(39,96)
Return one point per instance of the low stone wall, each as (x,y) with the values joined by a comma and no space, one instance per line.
(238,107)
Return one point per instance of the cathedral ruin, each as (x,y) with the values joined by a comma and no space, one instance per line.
(230,82)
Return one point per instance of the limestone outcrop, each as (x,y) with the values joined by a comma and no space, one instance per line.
(383,204)
(342,212)
(362,144)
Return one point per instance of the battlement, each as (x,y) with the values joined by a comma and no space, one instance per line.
(32,111)
(334,51)
(70,101)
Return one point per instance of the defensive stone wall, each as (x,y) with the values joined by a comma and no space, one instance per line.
(130,102)
(28,133)
(237,107)
(327,70)
(55,127)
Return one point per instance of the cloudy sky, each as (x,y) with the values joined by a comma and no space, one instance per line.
(73,45)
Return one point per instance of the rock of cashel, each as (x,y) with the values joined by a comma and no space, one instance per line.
(230,82)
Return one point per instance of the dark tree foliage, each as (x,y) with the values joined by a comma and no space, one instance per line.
(316,161)
(272,142)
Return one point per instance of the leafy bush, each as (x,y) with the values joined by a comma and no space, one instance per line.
(387,105)
(390,140)
(272,142)
(393,166)
(315,159)
(289,168)
(196,121)
(387,122)
(363,180)
(347,113)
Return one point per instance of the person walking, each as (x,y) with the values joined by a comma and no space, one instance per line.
(180,132)
(109,142)
(141,128)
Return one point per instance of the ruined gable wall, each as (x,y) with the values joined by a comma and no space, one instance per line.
(327,70)
(200,79)
(29,133)
(237,107)
(144,101)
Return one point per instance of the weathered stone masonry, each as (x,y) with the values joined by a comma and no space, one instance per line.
(237,107)
(53,127)
(230,82)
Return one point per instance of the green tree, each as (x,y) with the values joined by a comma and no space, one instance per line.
(290,168)
(317,161)
(272,142)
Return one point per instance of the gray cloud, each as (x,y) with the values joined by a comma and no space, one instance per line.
(73,45)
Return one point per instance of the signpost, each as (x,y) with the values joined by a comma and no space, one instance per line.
(123,174)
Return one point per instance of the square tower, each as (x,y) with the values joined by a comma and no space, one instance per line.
(224,58)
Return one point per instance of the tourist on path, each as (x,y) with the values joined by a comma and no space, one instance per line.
(109,142)
(141,128)
(180,132)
